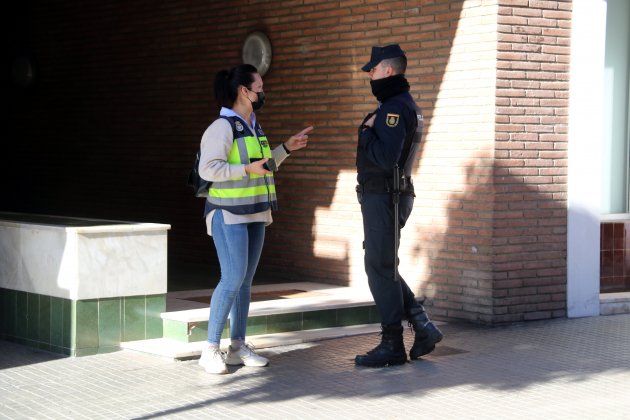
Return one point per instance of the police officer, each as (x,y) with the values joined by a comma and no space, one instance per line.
(389,138)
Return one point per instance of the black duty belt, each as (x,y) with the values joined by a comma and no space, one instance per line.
(384,185)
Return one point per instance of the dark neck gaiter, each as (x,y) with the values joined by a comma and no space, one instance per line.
(389,86)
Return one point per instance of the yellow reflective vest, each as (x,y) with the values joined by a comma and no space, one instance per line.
(251,193)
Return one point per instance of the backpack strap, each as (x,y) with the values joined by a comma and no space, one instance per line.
(232,122)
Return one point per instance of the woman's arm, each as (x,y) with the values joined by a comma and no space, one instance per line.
(216,144)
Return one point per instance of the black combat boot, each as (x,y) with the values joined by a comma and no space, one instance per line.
(390,352)
(427,334)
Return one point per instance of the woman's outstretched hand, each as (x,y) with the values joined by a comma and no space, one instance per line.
(299,140)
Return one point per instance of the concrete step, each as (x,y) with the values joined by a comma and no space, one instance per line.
(280,314)
(614,303)
(178,350)
(276,308)
(309,312)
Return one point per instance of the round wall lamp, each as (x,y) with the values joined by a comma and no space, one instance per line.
(257,51)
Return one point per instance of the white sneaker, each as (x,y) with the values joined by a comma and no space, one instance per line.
(213,360)
(245,356)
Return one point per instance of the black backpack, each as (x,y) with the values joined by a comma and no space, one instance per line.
(199,185)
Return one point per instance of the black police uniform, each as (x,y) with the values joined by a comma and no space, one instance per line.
(393,139)
(378,151)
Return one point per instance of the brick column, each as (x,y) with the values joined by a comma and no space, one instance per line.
(530,215)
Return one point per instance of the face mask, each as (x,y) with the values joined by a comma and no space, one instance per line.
(389,86)
(260,101)
(379,85)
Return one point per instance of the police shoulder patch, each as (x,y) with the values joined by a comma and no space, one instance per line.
(392,120)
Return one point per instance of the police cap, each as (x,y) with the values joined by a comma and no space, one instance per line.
(382,53)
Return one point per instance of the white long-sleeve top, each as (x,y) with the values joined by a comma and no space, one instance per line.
(216,144)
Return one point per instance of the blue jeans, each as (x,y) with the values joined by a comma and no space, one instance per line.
(239,247)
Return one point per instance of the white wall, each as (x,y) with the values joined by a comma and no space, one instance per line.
(588,38)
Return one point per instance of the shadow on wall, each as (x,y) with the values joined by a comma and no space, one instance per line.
(317,234)
(502,256)
(456,245)
(110,126)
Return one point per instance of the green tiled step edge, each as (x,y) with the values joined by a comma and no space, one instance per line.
(277,323)
(78,327)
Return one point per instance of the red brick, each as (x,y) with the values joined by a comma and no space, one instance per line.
(541,4)
(529,12)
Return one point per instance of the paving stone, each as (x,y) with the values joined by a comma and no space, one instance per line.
(558,369)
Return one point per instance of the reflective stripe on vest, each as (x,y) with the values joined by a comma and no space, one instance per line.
(249,194)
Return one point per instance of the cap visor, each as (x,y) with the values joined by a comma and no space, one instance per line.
(369,66)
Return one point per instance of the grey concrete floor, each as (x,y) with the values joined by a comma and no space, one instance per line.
(557,369)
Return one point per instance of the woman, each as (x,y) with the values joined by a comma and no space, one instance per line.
(236,157)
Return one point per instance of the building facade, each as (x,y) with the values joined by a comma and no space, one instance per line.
(510,181)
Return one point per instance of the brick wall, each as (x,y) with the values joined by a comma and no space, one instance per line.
(125,92)
(531,160)
(454,209)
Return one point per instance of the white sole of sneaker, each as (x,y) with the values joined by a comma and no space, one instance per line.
(248,364)
(213,369)
(216,372)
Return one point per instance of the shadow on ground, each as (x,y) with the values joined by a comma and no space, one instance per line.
(503,358)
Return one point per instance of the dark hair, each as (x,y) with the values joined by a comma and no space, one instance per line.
(399,64)
(226,83)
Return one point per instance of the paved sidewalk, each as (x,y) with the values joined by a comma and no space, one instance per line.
(559,369)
